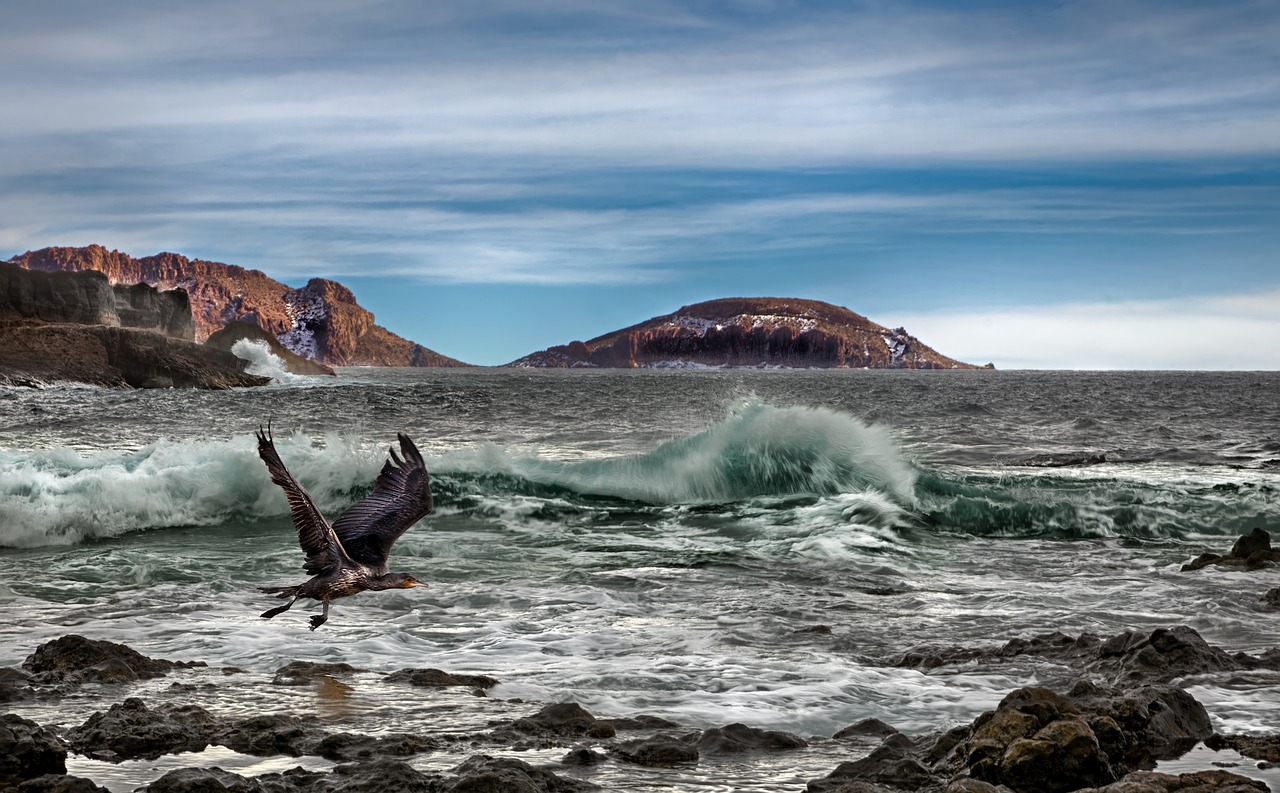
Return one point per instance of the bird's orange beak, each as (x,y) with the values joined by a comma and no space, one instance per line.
(412,584)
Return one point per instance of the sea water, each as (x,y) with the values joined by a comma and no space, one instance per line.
(707,546)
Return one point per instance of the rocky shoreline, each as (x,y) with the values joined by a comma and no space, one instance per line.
(1122,708)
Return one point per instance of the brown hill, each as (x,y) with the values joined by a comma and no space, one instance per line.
(751,332)
(320,321)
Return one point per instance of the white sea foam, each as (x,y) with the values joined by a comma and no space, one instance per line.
(262,361)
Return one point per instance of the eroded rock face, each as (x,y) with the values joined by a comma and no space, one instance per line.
(320,321)
(88,298)
(750,332)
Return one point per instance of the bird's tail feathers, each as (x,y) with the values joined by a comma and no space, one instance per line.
(280,591)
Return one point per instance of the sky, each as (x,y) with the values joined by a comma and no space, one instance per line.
(1034,184)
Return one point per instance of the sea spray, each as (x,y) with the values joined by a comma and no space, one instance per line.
(262,361)
(60,497)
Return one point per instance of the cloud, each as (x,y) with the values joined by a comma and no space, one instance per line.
(1237,332)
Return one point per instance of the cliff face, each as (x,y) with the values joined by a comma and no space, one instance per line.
(75,326)
(321,321)
(87,298)
(751,332)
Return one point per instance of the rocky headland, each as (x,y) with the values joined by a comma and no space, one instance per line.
(321,321)
(1119,712)
(751,332)
(78,327)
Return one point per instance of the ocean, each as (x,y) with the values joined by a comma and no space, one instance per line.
(706,546)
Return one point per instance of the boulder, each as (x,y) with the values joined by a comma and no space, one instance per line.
(867,728)
(739,738)
(301,673)
(1062,756)
(1251,551)
(28,750)
(268,735)
(380,776)
(1271,600)
(73,658)
(663,750)
(437,678)
(891,763)
(58,783)
(345,747)
(129,730)
(1197,782)
(1259,747)
(484,774)
(564,719)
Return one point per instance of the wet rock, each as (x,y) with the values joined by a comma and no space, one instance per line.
(205,780)
(267,735)
(58,783)
(739,738)
(1251,551)
(1197,782)
(867,728)
(436,678)
(13,684)
(28,750)
(484,774)
(73,658)
(380,776)
(1160,656)
(581,755)
(564,719)
(1064,755)
(129,730)
(642,722)
(301,673)
(347,747)
(660,751)
(1259,747)
(889,764)
(1271,600)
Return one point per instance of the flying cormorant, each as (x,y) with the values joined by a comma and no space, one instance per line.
(350,556)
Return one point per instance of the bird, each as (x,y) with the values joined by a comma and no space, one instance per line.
(350,556)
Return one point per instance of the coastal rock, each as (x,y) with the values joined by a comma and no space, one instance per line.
(28,750)
(1037,740)
(143,306)
(891,763)
(564,719)
(267,735)
(437,678)
(379,776)
(32,354)
(73,658)
(346,747)
(1197,782)
(642,722)
(243,330)
(659,751)
(484,774)
(13,684)
(301,673)
(129,730)
(750,332)
(58,783)
(867,728)
(320,321)
(1259,747)
(1271,600)
(216,780)
(1251,551)
(739,738)
(1160,656)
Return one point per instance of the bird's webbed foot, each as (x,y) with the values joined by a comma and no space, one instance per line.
(320,619)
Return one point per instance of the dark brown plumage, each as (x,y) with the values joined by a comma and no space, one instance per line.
(350,556)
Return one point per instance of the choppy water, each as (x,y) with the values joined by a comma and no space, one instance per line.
(653,542)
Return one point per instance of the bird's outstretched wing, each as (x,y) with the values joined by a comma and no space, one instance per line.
(315,535)
(401,497)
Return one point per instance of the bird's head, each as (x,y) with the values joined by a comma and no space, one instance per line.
(395,581)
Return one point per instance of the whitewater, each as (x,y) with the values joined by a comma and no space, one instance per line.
(754,546)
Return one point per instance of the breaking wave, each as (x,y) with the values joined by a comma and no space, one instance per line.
(799,475)
(262,361)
